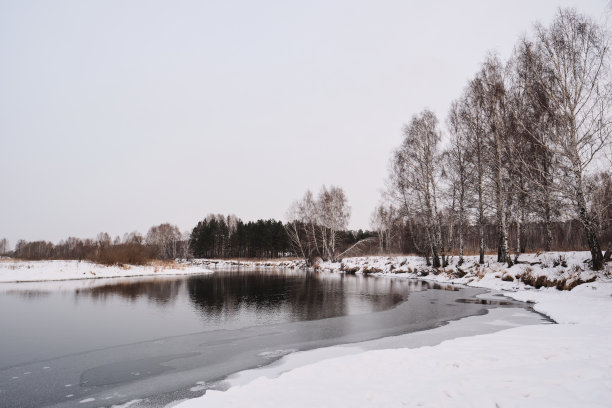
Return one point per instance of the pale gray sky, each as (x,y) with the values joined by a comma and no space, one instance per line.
(117,115)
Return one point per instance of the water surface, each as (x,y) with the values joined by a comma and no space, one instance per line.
(108,341)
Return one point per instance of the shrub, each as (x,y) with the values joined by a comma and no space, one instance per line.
(134,254)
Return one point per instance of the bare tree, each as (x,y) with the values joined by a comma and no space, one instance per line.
(533,158)
(575,82)
(384,220)
(490,91)
(457,159)
(4,246)
(298,231)
(472,118)
(302,219)
(599,201)
(415,176)
(133,237)
(103,240)
(313,225)
(333,216)
(165,240)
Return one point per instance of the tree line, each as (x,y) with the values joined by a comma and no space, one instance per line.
(216,236)
(163,241)
(219,236)
(524,156)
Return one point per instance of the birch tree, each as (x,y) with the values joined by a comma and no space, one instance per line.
(457,158)
(471,116)
(491,94)
(314,225)
(575,82)
(383,220)
(416,166)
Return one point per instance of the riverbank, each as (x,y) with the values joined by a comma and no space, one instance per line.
(563,365)
(33,271)
(561,270)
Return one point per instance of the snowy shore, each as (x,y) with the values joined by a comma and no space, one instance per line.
(562,270)
(33,271)
(568,364)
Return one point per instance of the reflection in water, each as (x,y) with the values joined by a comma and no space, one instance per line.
(298,295)
(160,291)
(30,294)
(57,318)
(247,297)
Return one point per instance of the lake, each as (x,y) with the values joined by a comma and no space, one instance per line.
(92,343)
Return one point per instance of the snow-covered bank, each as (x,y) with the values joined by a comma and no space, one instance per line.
(562,270)
(233,263)
(31,271)
(563,365)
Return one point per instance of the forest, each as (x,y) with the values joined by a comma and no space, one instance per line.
(525,163)
(216,236)
(522,164)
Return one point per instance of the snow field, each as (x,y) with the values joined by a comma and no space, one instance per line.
(32,271)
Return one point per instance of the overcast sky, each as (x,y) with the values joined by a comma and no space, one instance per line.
(118,115)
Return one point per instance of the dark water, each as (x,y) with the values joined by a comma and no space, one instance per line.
(103,342)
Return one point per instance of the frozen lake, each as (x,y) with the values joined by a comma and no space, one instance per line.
(101,342)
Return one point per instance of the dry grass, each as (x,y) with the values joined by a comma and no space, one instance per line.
(564,283)
(7,259)
(167,264)
(371,269)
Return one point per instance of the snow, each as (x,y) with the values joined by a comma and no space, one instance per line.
(233,263)
(562,269)
(32,271)
(568,364)
(562,365)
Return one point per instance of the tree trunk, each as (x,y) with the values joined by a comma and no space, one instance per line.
(591,237)
(548,229)
(585,219)
(480,210)
(502,235)
(481,251)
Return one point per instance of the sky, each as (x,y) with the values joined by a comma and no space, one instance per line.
(116,116)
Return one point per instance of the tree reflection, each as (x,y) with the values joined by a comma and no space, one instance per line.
(284,294)
(302,295)
(161,291)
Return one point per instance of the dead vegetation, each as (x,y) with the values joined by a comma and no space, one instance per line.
(561,283)
(371,269)
(349,269)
